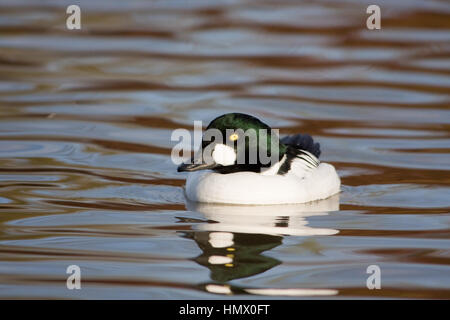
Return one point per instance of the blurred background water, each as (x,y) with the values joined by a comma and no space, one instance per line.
(86,176)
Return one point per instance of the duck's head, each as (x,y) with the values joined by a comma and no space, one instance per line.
(236,142)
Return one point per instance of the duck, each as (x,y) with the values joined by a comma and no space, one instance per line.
(229,167)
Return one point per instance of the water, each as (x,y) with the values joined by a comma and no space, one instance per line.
(85,170)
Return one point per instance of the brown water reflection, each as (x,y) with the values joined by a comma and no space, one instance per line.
(85,170)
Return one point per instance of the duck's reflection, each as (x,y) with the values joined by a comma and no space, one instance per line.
(235,238)
(270,220)
(235,255)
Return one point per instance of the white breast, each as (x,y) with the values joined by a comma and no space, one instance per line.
(297,186)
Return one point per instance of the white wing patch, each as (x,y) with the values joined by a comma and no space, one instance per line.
(310,161)
(303,165)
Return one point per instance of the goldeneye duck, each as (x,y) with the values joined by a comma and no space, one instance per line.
(294,174)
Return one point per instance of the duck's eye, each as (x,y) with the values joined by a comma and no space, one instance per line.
(234,137)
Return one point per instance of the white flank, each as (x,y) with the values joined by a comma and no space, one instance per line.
(299,185)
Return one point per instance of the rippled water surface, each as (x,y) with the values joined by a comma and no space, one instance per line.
(86,176)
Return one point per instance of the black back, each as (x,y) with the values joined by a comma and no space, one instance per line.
(302,142)
(296,145)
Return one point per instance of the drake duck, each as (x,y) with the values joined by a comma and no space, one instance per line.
(294,176)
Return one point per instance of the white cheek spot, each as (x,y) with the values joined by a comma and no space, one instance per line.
(224,155)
